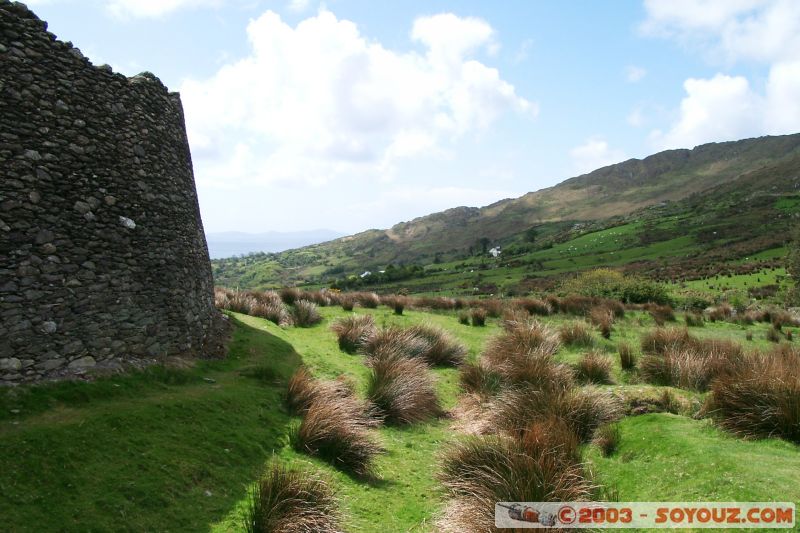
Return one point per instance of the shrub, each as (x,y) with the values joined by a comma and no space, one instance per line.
(607,439)
(595,367)
(463,318)
(479,379)
(627,358)
(353,331)
(478,316)
(575,334)
(603,318)
(305,314)
(337,432)
(694,320)
(290,295)
(611,284)
(402,390)
(480,471)
(287,501)
(761,396)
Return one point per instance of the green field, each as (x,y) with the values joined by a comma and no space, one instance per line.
(175,448)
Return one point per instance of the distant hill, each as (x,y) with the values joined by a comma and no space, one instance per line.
(233,243)
(598,199)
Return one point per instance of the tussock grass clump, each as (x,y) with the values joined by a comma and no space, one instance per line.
(274,311)
(353,332)
(627,357)
(594,367)
(303,390)
(463,318)
(289,501)
(320,298)
(221,298)
(337,432)
(402,390)
(493,307)
(479,379)
(576,334)
(480,471)
(478,316)
(694,320)
(240,302)
(368,300)
(577,305)
(607,438)
(661,313)
(290,295)
(442,348)
(660,339)
(305,314)
(347,302)
(534,306)
(773,335)
(603,318)
(721,312)
(761,396)
(583,410)
(688,368)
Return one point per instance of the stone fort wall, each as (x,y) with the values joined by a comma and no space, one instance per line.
(103,258)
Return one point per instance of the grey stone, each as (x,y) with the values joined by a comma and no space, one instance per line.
(82,207)
(82,363)
(49,327)
(48,248)
(127,222)
(44,235)
(10,364)
(52,364)
(33,155)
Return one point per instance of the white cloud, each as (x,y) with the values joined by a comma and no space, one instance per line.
(298,6)
(593,154)
(634,74)
(636,117)
(319,101)
(725,107)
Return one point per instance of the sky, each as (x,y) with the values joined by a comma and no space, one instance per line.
(357,114)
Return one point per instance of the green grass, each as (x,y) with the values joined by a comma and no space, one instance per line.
(177,449)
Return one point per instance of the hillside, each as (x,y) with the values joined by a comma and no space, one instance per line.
(711,185)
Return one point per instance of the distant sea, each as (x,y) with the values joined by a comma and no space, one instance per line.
(230,244)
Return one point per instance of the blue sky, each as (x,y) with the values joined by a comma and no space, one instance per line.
(355,114)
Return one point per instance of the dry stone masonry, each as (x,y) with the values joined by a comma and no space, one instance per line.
(103,259)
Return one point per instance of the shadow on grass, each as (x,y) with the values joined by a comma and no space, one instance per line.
(156,450)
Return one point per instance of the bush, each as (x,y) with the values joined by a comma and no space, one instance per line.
(463,318)
(478,316)
(611,284)
(575,334)
(627,358)
(595,367)
(761,396)
(402,390)
(607,439)
(336,431)
(353,332)
(287,501)
(305,314)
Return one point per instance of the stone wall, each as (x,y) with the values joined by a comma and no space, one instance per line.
(102,253)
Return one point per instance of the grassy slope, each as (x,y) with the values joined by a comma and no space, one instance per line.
(139,452)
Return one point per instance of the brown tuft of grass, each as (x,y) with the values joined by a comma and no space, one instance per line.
(773,334)
(583,410)
(443,349)
(402,390)
(337,432)
(289,501)
(478,316)
(691,366)
(660,339)
(721,312)
(761,396)
(627,357)
(368,300)
(303,390)
(534,306)
(305,314)
(353,332)
(478,379)
(694,320)
(603,318)
(493,306)
(607,438)
(576,334)
(290,295)
(594,367)
(463,318)
(661,313)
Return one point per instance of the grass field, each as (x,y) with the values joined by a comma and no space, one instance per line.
(175,448)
